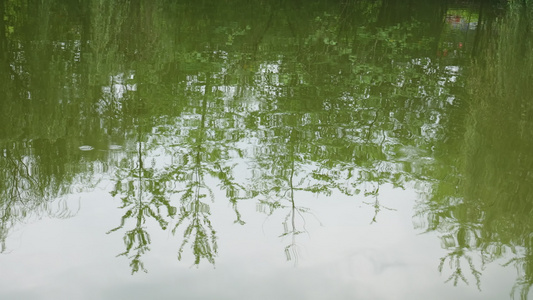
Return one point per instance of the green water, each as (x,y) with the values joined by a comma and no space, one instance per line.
(266,149)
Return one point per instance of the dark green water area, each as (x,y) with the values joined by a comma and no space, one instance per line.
(286,149)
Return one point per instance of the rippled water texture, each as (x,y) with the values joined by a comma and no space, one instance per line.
(266,149)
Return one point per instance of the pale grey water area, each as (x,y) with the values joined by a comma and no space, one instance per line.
(341,256)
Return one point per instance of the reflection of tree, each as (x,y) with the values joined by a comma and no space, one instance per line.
(459,242)
(34,183)
(336,98)
(44,115)
(374,193)
(143,196)
(192,208)
(481,200)
(200,149)
(194,149)
(281,179)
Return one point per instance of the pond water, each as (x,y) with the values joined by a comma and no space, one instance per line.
(256,150)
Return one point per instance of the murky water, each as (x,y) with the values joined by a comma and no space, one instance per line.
(256,150)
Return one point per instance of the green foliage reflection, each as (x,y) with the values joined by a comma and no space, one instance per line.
(482,202)
(287,100)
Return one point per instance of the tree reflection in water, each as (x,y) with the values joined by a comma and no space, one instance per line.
(142,197)
(312,99)
(192,152)
(30,187)
(481,201)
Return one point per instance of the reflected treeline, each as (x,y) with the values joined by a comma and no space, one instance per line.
(482,201)
(308,99)
(180,100)
(44,116)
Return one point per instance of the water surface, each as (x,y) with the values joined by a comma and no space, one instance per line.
(255,150)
